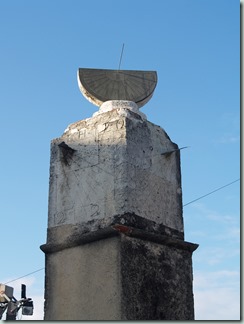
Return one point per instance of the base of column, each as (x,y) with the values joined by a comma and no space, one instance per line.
(119,273)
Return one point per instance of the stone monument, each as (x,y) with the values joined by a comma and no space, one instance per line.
(115,245)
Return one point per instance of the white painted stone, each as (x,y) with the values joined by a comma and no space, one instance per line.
(74,131)
(114,166)
(122,106)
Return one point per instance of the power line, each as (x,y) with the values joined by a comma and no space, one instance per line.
(121,56)
(228,184)
(24,276)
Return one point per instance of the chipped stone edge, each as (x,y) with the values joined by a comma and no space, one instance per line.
(115,230)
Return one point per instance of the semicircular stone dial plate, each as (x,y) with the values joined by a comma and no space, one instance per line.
(100,85)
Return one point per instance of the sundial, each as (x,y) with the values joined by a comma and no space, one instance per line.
(101,85)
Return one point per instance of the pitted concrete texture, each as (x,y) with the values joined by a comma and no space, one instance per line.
(119,278)
(115,245)
(83,283)
(156,281)
(112,164)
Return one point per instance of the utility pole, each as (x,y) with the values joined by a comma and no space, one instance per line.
(12,305)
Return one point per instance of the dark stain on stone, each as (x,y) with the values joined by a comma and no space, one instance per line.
(67,153)
(152,270)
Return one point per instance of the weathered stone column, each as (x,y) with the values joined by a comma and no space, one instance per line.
(115,245)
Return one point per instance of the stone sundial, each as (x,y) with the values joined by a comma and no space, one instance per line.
(111,89)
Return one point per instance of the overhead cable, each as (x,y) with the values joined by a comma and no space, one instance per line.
(23,276)
(228,184)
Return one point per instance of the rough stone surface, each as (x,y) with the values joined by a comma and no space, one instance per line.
(119,278)
(115,245)
(67,236)
(110,165)
(156,281)
(82,283)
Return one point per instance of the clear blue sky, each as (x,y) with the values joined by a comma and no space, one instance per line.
(194,47)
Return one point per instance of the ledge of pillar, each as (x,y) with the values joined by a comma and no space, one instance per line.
(77,240)
(114,230)
(135,221)
(58,235)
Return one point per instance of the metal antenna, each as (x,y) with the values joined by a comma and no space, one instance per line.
(121,56)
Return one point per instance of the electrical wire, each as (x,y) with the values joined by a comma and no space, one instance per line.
(210,193)
(24,276)
(121,56)
(228,184)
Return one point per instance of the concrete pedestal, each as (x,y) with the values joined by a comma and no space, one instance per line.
(115,245)
(120,274)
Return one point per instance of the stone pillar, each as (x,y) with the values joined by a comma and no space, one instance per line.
(115,245)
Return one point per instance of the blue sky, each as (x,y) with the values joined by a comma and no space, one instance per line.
(194,47)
